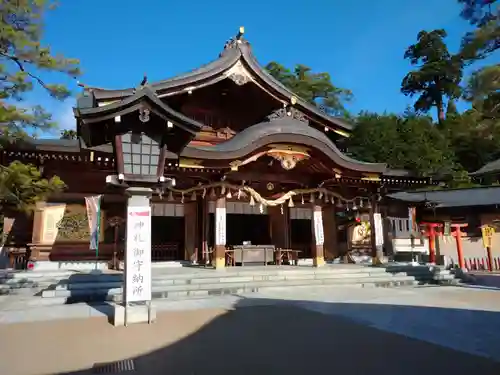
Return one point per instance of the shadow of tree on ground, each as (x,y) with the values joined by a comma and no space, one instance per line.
(276,337)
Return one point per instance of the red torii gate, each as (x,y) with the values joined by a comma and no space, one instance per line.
(458,234)
(431,233)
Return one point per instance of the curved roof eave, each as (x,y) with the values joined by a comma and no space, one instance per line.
(141,93)
(224,62)
(280,131)
(236,50)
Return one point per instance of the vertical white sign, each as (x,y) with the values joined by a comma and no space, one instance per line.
(379,234)
(138,255)
(220,225)
(319,235)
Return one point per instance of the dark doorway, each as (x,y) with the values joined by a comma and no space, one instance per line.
(242,227)
(253,228)
(301,236)
(167,238)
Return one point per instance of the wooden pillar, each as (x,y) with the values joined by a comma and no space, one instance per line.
(318,236)
(220,233)
(37,233)
(190,231)
(376,232)
(279,226)
(330,248)
(205,231)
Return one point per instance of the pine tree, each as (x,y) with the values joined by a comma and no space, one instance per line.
(22,59)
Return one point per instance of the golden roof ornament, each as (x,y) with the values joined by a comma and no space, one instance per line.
(293,100)
(241,31)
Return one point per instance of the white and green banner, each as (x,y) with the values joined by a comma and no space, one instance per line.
(93,204)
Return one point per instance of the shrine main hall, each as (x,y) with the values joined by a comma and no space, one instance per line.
(233,158)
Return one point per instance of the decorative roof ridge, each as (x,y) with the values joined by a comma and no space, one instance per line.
(236,49)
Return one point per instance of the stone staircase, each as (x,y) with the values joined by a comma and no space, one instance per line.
(66,287)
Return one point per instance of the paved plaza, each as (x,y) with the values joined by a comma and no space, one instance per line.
(447,330)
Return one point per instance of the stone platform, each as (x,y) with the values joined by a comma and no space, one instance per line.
(67,287)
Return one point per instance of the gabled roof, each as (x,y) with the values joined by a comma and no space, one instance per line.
(489,168)
(131,104)
(237,50)
(480,196)
(92,121)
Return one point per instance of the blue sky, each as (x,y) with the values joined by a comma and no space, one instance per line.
(361,43)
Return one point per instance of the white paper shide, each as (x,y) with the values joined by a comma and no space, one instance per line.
(220,226)
(138,256)
(319,234)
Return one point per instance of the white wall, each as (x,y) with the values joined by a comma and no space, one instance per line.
(167,209)
(243,208)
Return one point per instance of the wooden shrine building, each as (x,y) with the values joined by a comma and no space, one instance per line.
(247,148)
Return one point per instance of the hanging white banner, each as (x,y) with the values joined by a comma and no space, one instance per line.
(93,205)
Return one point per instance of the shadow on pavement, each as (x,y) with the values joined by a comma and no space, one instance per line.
(264,336)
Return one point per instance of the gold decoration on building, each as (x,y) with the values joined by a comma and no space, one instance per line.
(270,186)
(288,156)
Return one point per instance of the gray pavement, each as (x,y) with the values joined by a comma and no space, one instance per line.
(460,324)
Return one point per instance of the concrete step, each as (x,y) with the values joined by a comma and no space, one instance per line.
(31,280)
(77,284)
(203,290)
(195,284)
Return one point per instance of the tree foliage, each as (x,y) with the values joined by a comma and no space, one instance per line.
(438,75)
(315,88)
(22,186)
(483,91)
(69,134)
(485,39)
(23,60)
(408,141)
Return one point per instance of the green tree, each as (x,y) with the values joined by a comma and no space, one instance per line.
(315,88)
(69,134)
(408,142)
(23,59)
(485,39)
(22,186)
(483,91)
(451,109)
(438,75)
